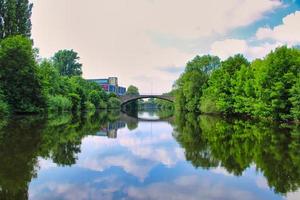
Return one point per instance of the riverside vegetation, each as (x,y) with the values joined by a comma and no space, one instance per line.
(29,84)
(263,88)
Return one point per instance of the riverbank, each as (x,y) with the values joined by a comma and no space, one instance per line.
(267,88)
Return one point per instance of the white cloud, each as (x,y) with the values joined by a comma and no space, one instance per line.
(112,36)
(287,32)
(293,195)
(184,186)
(139,152)
(230,47)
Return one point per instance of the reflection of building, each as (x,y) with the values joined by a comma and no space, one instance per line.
(111,129)
(110,85)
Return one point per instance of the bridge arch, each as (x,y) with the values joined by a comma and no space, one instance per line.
(129,98)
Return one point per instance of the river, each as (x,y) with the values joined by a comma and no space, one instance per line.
(152,155)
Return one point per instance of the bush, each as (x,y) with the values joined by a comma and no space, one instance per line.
(295,99)
(59,103)
(90,106)
(4,108)
(18,75)
(114,102)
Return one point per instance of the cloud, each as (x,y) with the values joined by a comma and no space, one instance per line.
(136,153)
(172,69)
(288,32)
(113,37)
(184,186)
(293,195)
(230,47)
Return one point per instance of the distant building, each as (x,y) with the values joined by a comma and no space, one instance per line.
(110,85)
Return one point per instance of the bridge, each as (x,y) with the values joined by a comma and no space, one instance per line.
(129,98)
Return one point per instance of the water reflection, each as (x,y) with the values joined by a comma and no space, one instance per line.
(114,156)
(211,142)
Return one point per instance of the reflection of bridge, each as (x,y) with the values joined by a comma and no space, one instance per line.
(128,98)
(110,129)
(131,119)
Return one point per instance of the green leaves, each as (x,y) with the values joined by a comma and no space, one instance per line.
(191,83)
(265,88)
(67,63)
(18,75)
(15,18)
(132,90)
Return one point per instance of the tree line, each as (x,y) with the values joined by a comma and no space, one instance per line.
(264,88)
(31,86)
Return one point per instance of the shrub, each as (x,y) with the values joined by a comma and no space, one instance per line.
(59,103)
(114,102)
(18,75)
(4,108)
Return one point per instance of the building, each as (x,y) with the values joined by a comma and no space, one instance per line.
(110,85)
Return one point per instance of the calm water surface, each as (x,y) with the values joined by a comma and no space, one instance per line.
(115,156)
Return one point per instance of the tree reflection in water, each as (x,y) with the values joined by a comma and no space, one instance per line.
(210,142)
(24,139)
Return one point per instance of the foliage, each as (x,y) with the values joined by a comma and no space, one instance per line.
(66,61)
(59,103)
(132,90)
(132,106)
(295,99)
(81,93)
(114,102)
(4,109)
(189,87)
(266,88)
(15,18)
(19,75)
(217,96)
(235,145)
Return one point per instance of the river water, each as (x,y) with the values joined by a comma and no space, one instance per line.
(150,156)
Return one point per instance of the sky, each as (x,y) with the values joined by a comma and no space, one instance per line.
(148,42)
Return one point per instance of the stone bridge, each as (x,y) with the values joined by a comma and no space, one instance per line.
(128,98)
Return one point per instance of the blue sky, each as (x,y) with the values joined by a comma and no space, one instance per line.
(148,42)
(143,164)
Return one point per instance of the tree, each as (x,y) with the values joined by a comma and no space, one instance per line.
(295,99)
(95,98)
(15,18)
(132,90)
(4,109)
(275,76)
(219,90)
(18,75)
(66,61)
(189,87)
(114,103)
(23,15)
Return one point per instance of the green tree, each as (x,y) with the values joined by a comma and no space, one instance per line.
(67,63)
(189,87)
(95,98)
(295,99)
(18,75)
(132,90)
(23,15)
(219,94)
(132,106)
(15,18)
(274,77)
(114,103)
(4,109)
